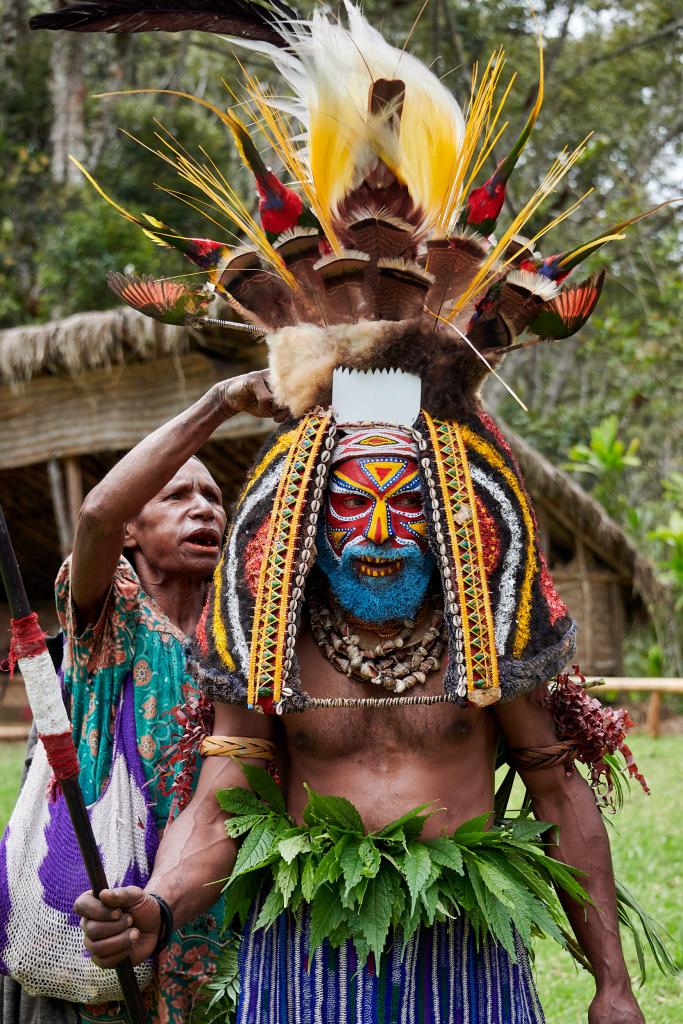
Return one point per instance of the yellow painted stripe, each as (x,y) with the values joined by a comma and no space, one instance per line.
(220,637)
(493,457)
(282,444)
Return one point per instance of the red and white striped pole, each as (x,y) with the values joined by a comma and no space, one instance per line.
(28,648)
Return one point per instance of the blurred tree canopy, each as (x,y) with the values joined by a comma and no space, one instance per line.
(612,66)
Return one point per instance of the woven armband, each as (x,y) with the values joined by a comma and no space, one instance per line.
(237,747)
(165,923)
(526,759)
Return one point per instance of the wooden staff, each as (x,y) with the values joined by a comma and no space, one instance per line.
(54,729)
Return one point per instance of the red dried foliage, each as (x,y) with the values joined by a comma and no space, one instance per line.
(179,761)
(595,729)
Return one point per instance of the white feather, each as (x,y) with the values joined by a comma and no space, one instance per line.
(330,69)
(537,284)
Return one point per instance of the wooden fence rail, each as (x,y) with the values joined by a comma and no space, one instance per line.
(654,686)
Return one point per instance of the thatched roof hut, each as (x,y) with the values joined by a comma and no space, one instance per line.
(75,394)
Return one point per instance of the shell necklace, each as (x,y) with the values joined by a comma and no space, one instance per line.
(397,663)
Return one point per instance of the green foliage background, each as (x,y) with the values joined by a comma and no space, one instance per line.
(613,67)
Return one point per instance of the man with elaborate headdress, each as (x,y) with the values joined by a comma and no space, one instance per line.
(382,615)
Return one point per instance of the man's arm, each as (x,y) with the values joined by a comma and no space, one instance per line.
(194,855)
(568,802)
(143,472)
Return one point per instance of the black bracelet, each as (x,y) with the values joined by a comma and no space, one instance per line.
(166,923)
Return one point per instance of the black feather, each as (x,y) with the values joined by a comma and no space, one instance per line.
(250,19)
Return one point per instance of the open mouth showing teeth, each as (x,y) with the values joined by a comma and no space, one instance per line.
(375,567)
(203,539)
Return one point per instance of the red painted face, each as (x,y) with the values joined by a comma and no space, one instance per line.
(376,499)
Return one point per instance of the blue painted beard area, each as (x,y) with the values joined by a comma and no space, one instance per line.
(377,598)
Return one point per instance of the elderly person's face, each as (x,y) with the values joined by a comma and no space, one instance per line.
(180,531)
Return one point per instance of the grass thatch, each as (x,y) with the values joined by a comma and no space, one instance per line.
(85,341)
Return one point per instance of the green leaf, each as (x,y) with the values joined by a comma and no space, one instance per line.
(499,921)
(326,914)
(291,846)
(332,810)
(355,896)
(308,879)
(471,831)
(416,867)
(286,879)
(375,914)
(351,865)
(398,896)
(429,898)
(415,819)
(525,829)
(339,935)
(656,936)
(237,800)
(273,905)
(328,869)
(445,852)
(265,786)
(242,823)
(499,883)
(222,990)
(503,793)
(257,850)
(240,893)
(362,949)
(370,858)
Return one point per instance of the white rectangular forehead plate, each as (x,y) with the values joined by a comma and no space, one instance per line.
(376,396)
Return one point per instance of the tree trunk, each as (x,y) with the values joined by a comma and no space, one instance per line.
(14,40)
(67,87)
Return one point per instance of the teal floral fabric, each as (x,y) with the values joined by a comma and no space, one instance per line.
(133,635)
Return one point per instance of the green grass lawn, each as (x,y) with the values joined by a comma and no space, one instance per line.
(647,847)
(11,764)
(647,843)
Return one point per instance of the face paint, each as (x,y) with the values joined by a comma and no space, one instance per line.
(372,545)
(377,499)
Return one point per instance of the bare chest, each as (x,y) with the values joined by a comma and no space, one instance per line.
(390,731)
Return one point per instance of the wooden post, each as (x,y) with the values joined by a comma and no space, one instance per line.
(654,707)
(74,491)
(59,504)
(587,603)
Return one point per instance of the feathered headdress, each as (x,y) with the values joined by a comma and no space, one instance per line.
(377,254)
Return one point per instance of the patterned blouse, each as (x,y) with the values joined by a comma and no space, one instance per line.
(133,635)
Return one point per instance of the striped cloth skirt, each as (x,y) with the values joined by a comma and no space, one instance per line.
(441,977)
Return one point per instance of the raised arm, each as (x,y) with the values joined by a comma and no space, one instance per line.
(569,803)
(142,473)
(194,853)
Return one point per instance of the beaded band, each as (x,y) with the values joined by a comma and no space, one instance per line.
(456,530)
(237,746)
(378,702)
(289,552)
